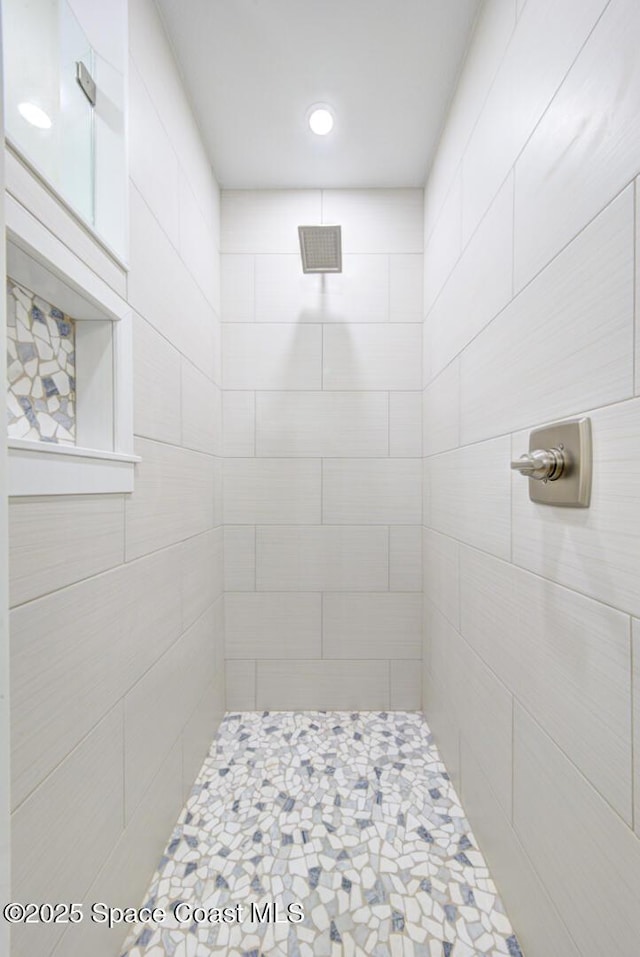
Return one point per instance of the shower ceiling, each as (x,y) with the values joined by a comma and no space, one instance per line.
(252,68)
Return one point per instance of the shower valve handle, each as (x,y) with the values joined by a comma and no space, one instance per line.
(543,464)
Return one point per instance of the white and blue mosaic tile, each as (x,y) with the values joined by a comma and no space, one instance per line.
(41,372)
(347,818)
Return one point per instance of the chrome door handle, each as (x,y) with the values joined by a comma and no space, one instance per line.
(547,465)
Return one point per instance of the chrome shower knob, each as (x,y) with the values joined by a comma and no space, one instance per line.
(546,465)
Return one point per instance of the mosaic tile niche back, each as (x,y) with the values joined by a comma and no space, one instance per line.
(41,372)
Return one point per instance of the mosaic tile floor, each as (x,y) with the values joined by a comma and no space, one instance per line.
(351,816)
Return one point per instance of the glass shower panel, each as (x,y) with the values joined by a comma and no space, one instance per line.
(48,117)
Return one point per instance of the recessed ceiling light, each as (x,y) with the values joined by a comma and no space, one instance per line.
(320,119)
(34,115)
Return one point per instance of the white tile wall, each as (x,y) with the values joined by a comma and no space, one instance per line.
(324,424)
(202,573)
(272,356)
(323,438)
(172,499)
(272,491)
(440,556)
(566,658)
(405,424)
(322,558)
(239,557)
(239,423)
(362,356)
(470,495)
(534,65)
(444,245)
(405,692)
(153,161)
(376,220)
(405,558)
(537,318)
(55,542)
(333,685)
(56,846)
(441,411)
(156,408)
(530,908)
(525,367)
(491,35)
(405,288)
(266,221)
(550,207)
(372,491)
(479,289)
(202,404)
(583,854)
(273,625)
(91,625)
(237,287)
(241,685)
(362,626)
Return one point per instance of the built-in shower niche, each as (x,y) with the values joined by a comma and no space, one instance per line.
(69,415)
(41,369)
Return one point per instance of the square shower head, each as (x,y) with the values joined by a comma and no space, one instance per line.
(320,248)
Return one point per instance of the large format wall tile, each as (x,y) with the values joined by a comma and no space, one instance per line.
(441,411)
(470,495)
(405,288)
(56,846)
(405,685)
(153,164)
(546,40)
(201,404)
(58,541)
(375,220)
(322,558)
(272,356)
(565,657)
(293,685)
(237,277)
(172,500)
(590,134)
(444,246)
(322,424)
(130,863)
(362,626)
(156,399)
(372,492)
(441,573)
(266,221)
(583,852)
(478,289)
(534,912)
(150,727)
(239,557)
(362,356)
(239,423)
(491,35)
(360,293)
(405,558)
(405,424)
(202,567)
(525,368)
(273,625)
(272,491)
